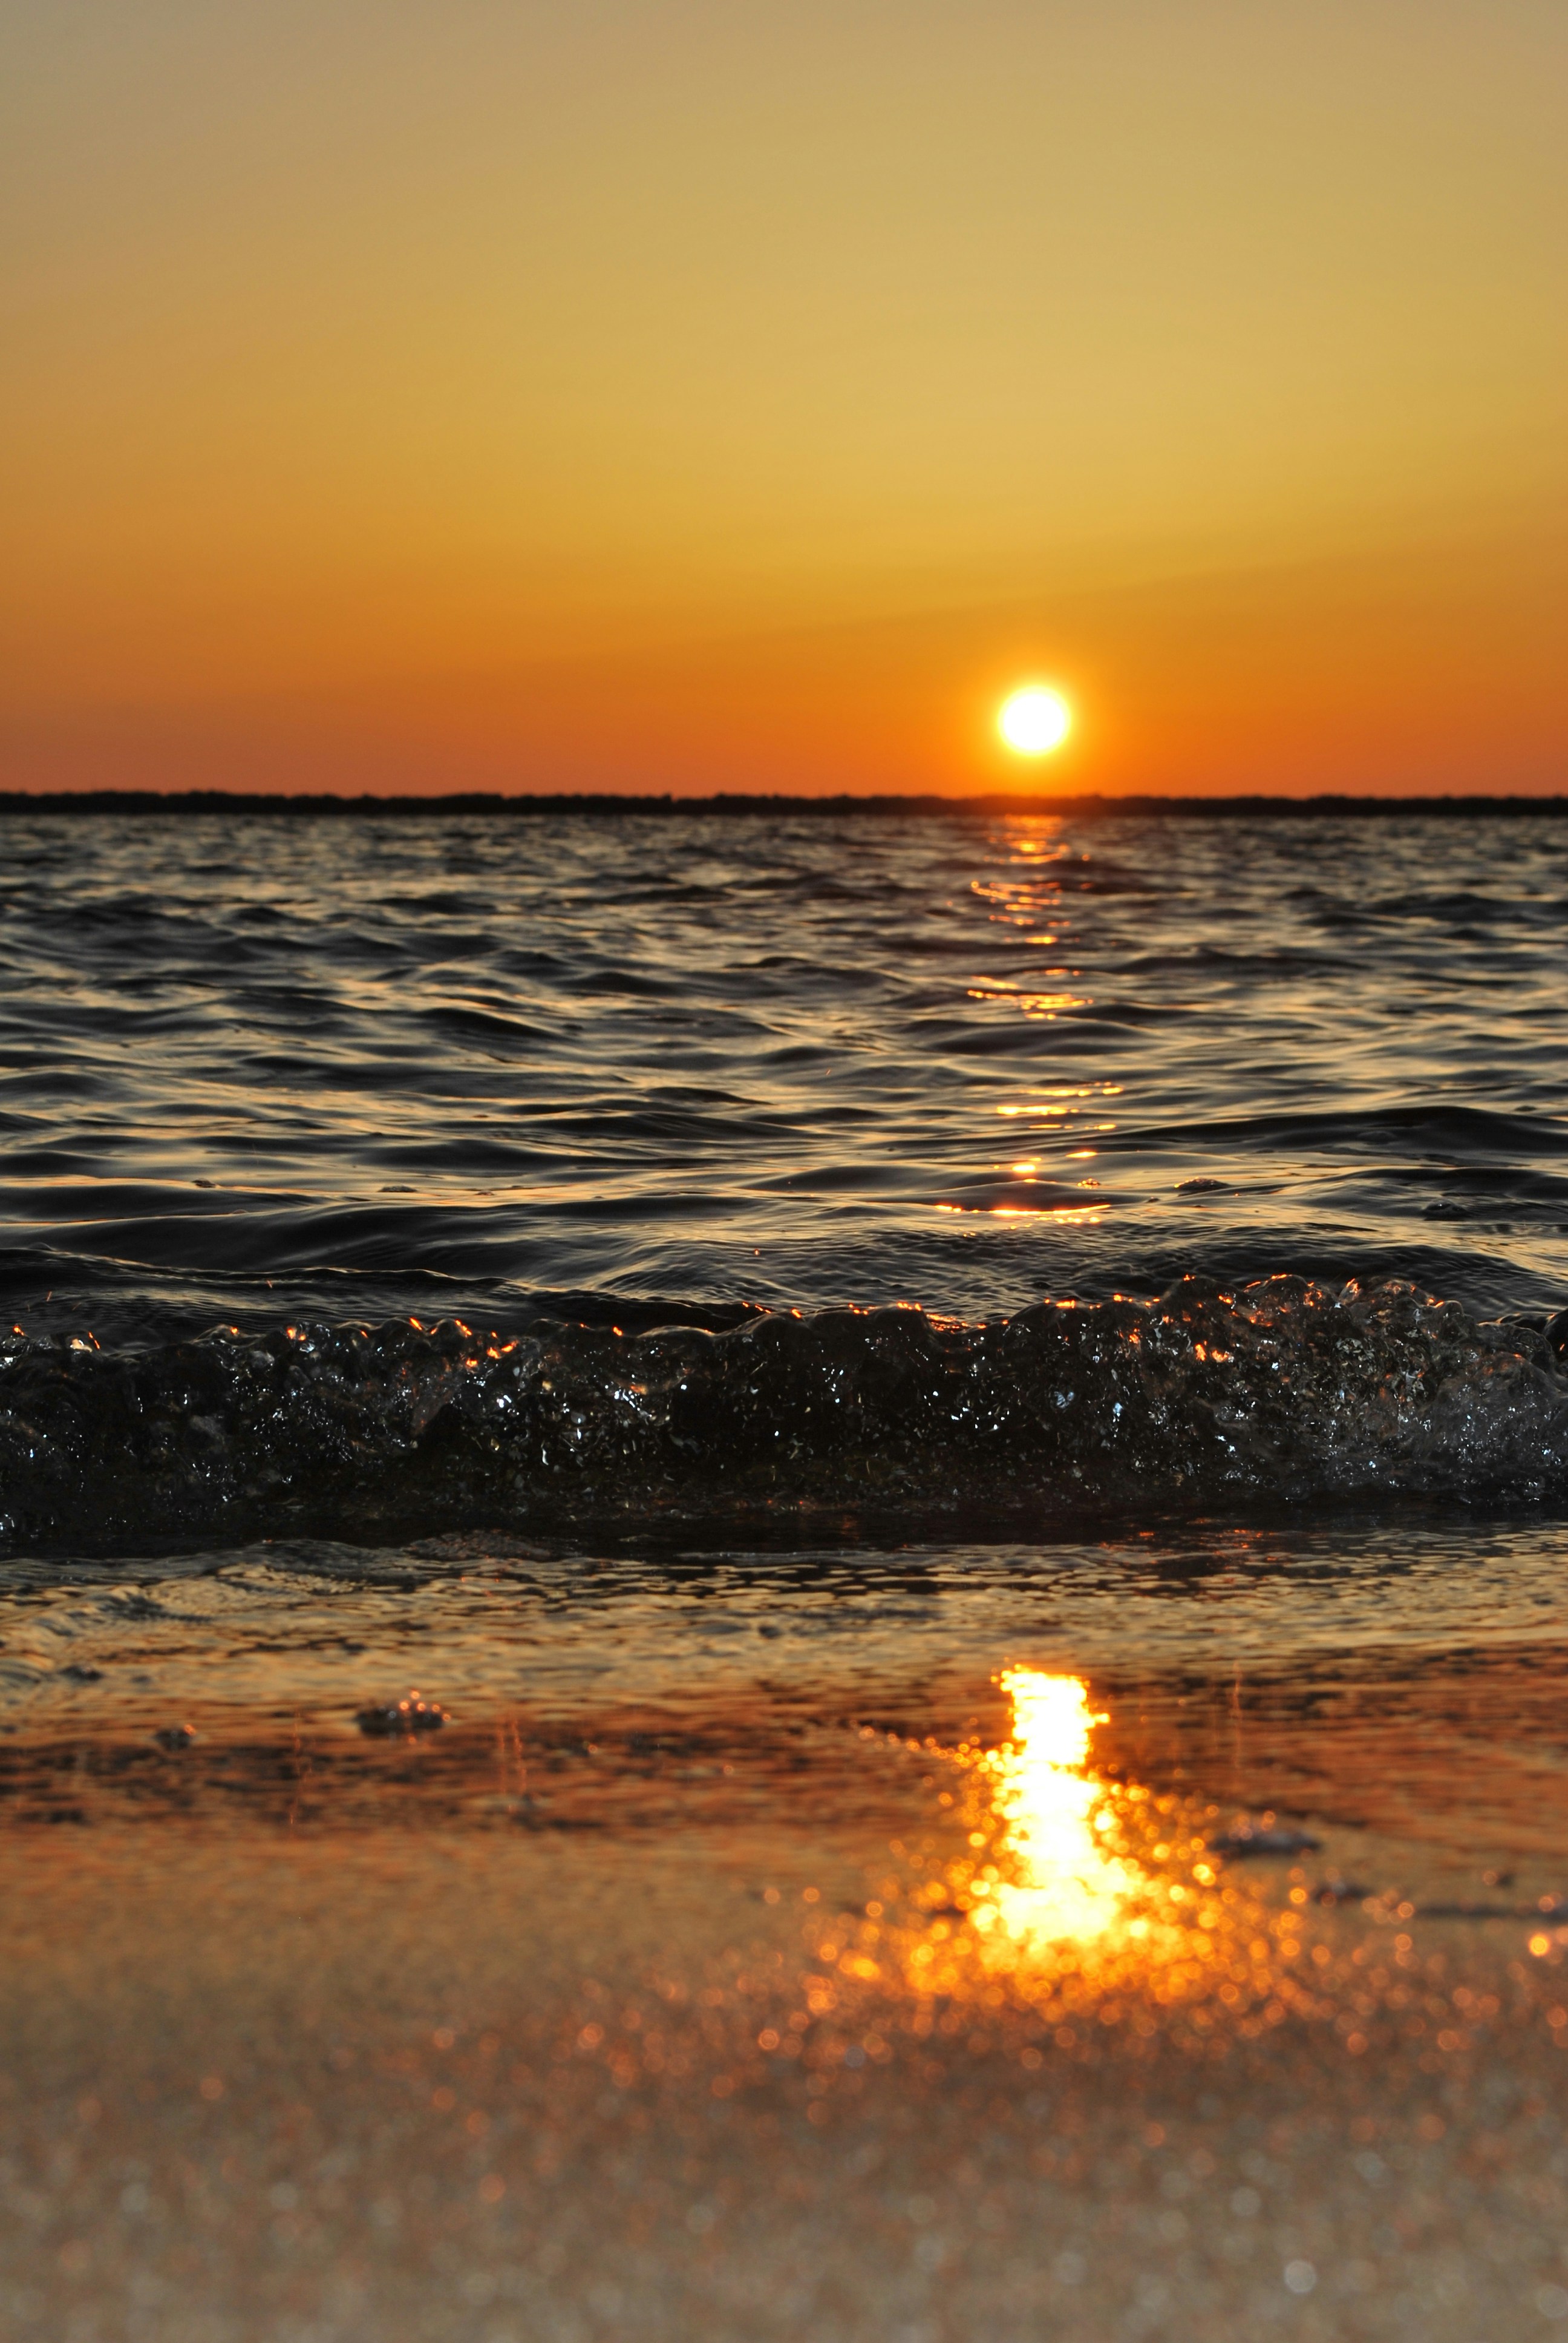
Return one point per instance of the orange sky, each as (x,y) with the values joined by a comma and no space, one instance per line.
(586,395)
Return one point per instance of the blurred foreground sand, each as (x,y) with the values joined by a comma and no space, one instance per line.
(755,2077)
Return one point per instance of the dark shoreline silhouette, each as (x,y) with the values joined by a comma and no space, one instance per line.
(603,805)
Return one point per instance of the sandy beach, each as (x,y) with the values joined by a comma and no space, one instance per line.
(894,2006)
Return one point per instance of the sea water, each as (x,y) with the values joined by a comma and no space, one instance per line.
(829,1182)
(988,1389)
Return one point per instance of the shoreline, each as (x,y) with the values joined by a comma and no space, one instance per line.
(679,2086)
(758,1955)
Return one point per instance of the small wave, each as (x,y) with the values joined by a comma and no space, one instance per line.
(1287,1389)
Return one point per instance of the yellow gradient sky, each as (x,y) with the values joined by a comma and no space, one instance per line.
(600,395)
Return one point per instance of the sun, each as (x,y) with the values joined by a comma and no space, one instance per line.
(1034,721)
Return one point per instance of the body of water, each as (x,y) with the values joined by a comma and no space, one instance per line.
(464,1172)
(778,1575)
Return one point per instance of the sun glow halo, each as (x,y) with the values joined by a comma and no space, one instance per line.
(1034,721)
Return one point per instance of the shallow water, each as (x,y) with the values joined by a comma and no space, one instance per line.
(609,1278)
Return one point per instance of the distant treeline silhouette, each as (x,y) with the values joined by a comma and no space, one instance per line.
(739,805)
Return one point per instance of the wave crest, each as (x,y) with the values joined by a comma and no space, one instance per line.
(1286,1388)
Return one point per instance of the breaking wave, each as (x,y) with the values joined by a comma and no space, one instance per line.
(1286,1389)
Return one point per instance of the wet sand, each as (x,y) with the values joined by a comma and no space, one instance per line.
(752,2016)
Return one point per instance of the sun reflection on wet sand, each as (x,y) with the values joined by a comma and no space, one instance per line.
(1065,1886)
(1076,1890)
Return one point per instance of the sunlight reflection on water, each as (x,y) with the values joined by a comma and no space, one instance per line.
(1050,1811)
(1074,1881)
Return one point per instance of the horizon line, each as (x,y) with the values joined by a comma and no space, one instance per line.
(613,805)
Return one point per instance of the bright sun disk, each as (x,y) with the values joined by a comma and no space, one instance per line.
(1034,721)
